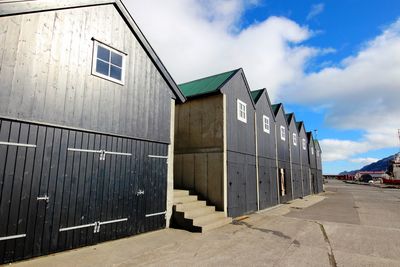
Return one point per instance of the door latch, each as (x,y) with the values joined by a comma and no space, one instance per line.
(102,155)
(43,198)
(96,227)
(140,192)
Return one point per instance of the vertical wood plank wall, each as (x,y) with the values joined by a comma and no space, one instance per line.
(45,74)
(81,188)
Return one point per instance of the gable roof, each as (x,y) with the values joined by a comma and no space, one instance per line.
(310,137)
(28,6)
(257,94)
(276,108)
(289,117)
(316,143)
(300,124)
(207,85)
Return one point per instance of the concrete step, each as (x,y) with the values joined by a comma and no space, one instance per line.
(194,215)
(180,193)
(185,199)
(205,227)
(199,212)
(190,206)
(210,217)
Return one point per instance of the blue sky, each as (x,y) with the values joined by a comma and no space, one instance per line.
(335,63)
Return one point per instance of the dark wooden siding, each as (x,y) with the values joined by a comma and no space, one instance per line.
(240,135)
(305,166)
(242,184)
(283,154)
(266,151)
(241,149)
(45,74)
(295,160)
(82,189)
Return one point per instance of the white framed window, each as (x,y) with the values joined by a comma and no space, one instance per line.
(266,125)
(242,111)
(108,63)
(317,153)
(312,151)
(294,139)
(283,133)
(303,141)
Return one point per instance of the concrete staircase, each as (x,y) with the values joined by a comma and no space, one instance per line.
(194,215)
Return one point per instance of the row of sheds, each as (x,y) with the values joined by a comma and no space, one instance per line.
(238,151)
(87,122)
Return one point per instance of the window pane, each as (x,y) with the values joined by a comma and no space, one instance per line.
(116,59)
(103,53)
(102,67)
(116,73)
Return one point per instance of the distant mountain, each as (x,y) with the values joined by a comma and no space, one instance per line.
(380,165)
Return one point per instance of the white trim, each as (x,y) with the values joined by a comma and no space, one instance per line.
(312,150)
(113,221)
(96,44)
(283,133)
(99,151)
(304,144)
(294,137)
(266,126)
(239,106)
(12,237)
(155,214)
(158,157)
(76,227)
(16,144)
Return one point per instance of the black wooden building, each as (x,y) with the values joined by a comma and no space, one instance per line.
(318,158)
(283,154)
(215,152)
(313,163)
(266,150)
(304,159)
(295,161)
(85,114)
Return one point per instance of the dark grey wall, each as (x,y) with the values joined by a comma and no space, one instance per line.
(240,135)
(266,142)
(305,166)
(295,149)
(283,154)
(311,154)
(45,74)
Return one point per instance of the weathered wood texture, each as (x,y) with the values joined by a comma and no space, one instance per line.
(45,74)
(294,145)
(240,135)
(82,189)
(283,154)
(242,184)
(198,160)
(266,151)
(305,166)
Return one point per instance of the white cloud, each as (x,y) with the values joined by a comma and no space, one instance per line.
(315,11)
(195,38)
(363,93)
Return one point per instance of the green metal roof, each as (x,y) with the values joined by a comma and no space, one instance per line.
(289,117)
(205,85)
(256,94)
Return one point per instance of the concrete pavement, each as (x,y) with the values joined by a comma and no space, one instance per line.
(348,225)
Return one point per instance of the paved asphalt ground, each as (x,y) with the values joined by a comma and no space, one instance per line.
(348,225)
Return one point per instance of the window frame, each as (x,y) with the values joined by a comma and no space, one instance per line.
(239,111)
(304,144)
(283,133)
(266,129)
(96,44)
(312,150)
(294,138)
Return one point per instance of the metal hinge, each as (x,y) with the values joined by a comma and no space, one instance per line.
(43,198)
(140,192)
